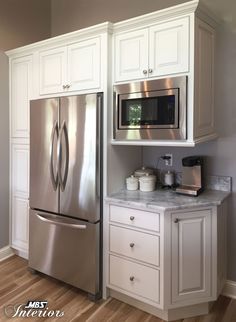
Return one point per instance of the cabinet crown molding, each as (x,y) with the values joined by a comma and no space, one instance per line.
(63,40)
(160,15)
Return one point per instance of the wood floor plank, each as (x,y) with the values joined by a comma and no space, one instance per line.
(18,286)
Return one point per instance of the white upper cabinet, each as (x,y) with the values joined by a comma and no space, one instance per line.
(131,55)
(169,48)
(161,49)
(20,94)
(52,72)
(70,68)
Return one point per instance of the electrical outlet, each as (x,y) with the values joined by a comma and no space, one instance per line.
(169,162)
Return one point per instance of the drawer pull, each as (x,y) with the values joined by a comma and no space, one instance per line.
(131,218)
(131,278)
(131,245)
(176,220)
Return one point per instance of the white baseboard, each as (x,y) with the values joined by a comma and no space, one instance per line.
(6,252)
(230,289)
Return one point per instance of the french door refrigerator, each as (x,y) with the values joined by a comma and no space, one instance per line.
(66,189)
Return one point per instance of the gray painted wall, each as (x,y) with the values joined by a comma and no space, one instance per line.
(24,22)
(4,155)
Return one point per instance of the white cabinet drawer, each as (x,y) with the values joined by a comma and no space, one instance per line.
(135,218)
(135,244)
(137,279)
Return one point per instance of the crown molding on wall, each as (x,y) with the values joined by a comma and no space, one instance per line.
(64,39)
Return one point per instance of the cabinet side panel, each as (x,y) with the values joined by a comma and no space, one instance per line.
(204,79)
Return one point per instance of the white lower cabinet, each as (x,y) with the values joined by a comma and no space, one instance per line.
(19,196)
(20,224)
(135,279)
(191,255)
(167,260)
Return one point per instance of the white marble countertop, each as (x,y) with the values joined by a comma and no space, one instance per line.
(166,199)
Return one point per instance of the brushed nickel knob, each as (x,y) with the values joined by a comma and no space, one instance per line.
(150,70)
(131,218)
(64,86)
(176,220)
(131,278)
(131,245)
(68,86)
(145,72)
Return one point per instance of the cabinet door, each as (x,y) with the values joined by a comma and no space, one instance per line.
(20,223)
(52,70)
(84,60)
(19,196)
(191,256)
(21,91)
(131,55)
(169,48)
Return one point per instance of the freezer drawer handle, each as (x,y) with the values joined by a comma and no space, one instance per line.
(54,221)
(52,174)
(59,153)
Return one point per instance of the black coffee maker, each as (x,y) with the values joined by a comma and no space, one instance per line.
(192,176)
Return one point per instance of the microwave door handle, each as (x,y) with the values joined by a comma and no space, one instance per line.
(52,175)
(58,221)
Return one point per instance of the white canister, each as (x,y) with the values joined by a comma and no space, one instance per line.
(147,182)
(142,172)
(132,183)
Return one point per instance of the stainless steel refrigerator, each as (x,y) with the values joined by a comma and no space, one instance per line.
(65,189)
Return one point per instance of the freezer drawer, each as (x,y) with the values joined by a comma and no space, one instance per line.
(67,249)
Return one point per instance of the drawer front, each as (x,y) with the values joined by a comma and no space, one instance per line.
(135,218)
(135,278)
(135,244)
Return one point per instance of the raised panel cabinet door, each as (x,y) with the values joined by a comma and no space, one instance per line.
(52,70)
(131,55)
(191,256)
(169,48)
(84,65)
(20,223)
(20,170)
(204,80)
(21,91)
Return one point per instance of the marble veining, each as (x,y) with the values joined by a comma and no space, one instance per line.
(166,199)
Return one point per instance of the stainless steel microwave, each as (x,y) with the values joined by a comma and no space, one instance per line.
(151,110)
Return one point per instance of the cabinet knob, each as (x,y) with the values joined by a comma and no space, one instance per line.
(131,278)
(68,86)
(145,72)
(64,86)
(176,220)
(131,218)
(131,245)
(150,70)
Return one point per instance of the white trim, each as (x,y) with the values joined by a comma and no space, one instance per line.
(6,252)
(229,289)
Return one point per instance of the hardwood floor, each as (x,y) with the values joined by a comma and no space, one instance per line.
(18,286)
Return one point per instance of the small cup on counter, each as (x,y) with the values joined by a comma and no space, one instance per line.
(132,183)
(147,182)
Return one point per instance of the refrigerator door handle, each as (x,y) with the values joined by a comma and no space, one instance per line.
(63,130)
(60,221)
(52,174)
